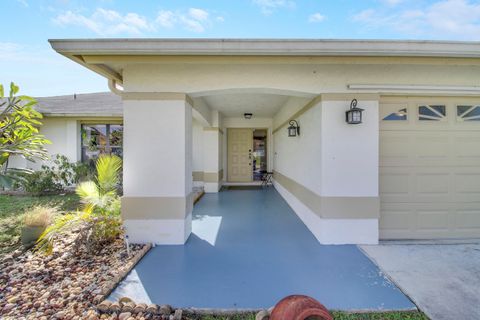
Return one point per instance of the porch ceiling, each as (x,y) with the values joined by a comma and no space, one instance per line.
(236,104)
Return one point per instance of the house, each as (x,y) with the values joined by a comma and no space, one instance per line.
(80,126)
(193,110)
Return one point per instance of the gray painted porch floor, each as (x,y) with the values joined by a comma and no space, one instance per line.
(248,249)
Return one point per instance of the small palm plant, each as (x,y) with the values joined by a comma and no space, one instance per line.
(98,221)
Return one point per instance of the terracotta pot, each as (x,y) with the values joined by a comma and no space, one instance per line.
(30,235)
(298,307)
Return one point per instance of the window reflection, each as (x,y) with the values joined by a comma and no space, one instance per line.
(100,139)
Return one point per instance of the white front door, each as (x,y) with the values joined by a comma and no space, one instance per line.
(240,147)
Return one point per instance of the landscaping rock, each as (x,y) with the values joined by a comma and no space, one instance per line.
(177,315)
(69,284)
(165,309)
(124,315)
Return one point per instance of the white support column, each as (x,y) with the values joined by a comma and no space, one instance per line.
(212,154)
(213,174)
(349,186)
(157,202)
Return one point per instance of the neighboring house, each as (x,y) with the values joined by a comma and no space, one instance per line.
(409,170)
(80,126)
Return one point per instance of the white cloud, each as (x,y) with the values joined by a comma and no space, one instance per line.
(110,22)
(392,2)
(316,17)
(198,14)
(452,19)
(268,6)
(23,3)
(194,19)
(166,19)
(106,22)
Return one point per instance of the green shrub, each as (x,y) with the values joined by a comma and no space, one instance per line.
(40,182)
(54,178)
(99,220)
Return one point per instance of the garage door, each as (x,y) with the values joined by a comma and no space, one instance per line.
(429,168)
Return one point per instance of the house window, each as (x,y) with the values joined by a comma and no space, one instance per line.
(100,139)
(468,113)
(432,113)
(399,115)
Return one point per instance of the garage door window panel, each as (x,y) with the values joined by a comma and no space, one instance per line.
(468,113)
(432,113)
(399,115)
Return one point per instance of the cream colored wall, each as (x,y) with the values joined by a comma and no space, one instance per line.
(330,164)
(168,163)
(300,157)
(293,105)
(197,146)
(349,152)
(64,133)
(314,75)
(207,151)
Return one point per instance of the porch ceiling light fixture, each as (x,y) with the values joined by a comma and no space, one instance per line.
(248,115)
(354,114)
(293,129)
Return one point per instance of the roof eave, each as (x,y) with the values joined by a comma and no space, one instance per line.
(262,47)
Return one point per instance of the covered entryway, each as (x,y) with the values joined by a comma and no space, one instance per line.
(429,168)
(248,249)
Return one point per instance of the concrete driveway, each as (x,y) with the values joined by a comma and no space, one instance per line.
(442,279)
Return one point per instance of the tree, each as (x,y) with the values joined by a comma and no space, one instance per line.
(19,133)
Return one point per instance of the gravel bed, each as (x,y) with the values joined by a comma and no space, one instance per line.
(66,284)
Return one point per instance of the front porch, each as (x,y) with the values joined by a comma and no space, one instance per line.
(247,250)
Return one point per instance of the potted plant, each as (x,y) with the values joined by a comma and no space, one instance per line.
(35,221)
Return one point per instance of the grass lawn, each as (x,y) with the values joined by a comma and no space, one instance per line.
(344,316)
(12,209)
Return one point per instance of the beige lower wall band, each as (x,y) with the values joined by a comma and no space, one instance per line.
(207,176)
(158,208)
(197,175)
(331,207)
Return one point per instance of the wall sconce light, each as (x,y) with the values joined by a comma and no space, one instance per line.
(293,129)
(354,115)
(247,115)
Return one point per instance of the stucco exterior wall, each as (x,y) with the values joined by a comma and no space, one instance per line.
(329,173)
(300,157)
(65,136)
(197,152)
(313,75)
(64,133)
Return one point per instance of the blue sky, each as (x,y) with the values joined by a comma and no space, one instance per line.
(27,59)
